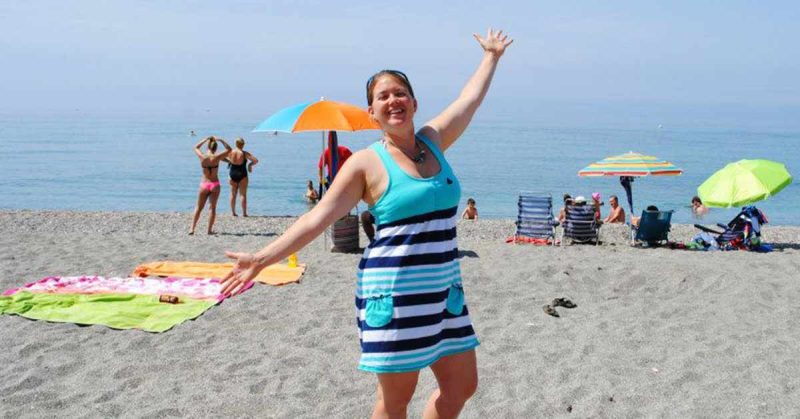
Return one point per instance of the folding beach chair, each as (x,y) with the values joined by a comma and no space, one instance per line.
(742,232)
(581,225)
(535,218)
(653,228)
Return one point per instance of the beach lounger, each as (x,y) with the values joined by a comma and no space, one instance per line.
(742,232)
(581,225)
(653,228)
(535,218)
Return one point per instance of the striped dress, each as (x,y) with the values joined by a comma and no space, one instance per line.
(409,298)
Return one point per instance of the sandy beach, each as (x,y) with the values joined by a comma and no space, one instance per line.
(656,333)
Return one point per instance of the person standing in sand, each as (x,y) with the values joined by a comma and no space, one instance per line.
(325,160)
(209,183)
(413,194)
(238,168)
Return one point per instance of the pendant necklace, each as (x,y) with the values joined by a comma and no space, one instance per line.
(419,158)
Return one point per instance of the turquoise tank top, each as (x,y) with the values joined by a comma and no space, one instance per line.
(406,196)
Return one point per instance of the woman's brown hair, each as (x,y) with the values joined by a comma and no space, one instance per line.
(397,75)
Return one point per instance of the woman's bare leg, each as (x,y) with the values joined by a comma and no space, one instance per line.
(202,196)
(234,189)
(213,214)
(457,376)
(243,191)
(394,394)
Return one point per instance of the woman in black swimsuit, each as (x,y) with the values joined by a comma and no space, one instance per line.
(237,163)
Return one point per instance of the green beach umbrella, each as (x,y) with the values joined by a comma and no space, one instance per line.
(744,182)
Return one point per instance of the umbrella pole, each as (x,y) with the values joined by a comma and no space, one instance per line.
(321,188)
(626,181)
(321,172)
(333,146)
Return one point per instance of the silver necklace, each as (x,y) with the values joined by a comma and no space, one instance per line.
(419,158)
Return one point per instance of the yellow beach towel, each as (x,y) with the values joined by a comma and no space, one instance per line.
(277,274)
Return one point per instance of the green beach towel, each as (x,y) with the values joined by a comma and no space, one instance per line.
(118,311)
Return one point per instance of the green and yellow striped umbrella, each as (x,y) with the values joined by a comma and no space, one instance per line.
(631,164)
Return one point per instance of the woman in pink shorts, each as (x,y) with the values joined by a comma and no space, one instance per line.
(209,183)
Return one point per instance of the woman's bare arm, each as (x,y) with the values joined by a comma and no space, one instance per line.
(451,123)
(198,146)
(253,161)
(224,154)
(345,192)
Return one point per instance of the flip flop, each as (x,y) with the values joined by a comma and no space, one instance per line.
(550,310)
(563,302)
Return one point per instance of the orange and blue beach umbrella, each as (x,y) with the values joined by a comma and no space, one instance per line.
(324,115)
(631,164)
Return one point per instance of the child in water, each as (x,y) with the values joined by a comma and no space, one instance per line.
(470,212)
(311,193)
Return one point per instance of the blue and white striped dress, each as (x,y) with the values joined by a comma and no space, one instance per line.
(409,299)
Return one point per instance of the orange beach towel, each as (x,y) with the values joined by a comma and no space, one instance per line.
(277,274)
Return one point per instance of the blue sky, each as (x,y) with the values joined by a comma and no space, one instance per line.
(572,61)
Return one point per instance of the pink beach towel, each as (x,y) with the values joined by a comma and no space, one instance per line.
(201,289)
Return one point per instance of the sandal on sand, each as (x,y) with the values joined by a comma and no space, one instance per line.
(563,302)
(550,310)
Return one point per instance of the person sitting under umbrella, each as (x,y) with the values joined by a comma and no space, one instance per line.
(562,213)
(617,214)
(636,220)
(597,201)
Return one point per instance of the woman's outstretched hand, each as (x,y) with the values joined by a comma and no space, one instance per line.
(494,43)
(244,270)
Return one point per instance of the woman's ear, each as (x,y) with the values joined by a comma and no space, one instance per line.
(415,104)
(371,112)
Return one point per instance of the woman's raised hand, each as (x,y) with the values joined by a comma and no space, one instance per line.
(244,270)
(494,43)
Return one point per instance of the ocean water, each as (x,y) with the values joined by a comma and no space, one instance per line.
(85,162)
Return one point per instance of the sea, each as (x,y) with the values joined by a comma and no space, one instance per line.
(85,162)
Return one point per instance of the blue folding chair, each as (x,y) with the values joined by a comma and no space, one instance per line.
(653,228)
(535,217)
(581,225)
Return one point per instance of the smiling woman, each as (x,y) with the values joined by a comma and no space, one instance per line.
(410,298)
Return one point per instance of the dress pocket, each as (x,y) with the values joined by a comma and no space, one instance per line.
(455,299)
(379,310)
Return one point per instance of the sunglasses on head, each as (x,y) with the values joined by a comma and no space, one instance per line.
(397,73)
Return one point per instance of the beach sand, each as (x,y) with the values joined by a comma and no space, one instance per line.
(657,332)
